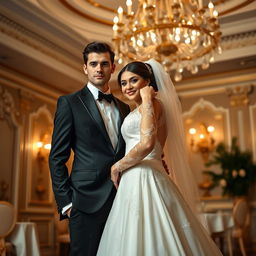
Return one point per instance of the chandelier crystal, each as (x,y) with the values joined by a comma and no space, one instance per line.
(180,34)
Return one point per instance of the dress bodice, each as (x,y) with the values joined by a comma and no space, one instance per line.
(131,133)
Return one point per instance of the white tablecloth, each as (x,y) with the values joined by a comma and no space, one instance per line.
(218,222)
(24,238)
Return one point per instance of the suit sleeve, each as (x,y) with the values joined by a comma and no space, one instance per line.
(60,153)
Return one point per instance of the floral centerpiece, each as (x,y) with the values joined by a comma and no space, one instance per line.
(238,170)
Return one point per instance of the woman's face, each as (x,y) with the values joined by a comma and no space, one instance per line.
(131,84)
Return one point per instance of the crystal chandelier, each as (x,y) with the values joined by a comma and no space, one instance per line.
(178,33)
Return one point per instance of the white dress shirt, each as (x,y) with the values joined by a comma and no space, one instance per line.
(109,114)
(111,118)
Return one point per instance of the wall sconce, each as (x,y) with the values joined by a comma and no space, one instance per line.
(43,148)
(202,141)
(43,151)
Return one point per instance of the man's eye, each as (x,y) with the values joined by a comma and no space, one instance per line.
(105,64)
(93,64)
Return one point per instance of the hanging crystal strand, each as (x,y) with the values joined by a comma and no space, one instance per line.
(179,70)
(179,67)
(211,60)
(205,63)
(177,76)
(183,31)
(219,49)
(194,68)
(200,4)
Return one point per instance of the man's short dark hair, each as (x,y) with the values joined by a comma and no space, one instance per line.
(98,47)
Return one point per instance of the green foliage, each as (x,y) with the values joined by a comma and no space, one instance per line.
(238,170)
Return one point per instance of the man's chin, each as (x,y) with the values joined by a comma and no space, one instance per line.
(99,83)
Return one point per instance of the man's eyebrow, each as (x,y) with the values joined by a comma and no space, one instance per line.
(101,62)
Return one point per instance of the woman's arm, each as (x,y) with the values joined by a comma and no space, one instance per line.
(149,110)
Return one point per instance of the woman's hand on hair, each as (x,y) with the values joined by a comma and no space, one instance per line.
(147,93)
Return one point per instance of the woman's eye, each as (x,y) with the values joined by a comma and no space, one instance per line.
(123,83)
(134,80)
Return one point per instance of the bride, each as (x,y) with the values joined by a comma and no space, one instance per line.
(153,214)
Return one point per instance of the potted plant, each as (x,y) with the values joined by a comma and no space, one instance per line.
(238,172)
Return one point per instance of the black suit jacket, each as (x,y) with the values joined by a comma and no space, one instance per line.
(78,126)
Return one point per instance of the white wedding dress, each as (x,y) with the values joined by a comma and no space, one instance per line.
(149,216)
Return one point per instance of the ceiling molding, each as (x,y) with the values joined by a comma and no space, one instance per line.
(212,90)
(45,35)
(85,15)
(242,44)
(36,41)
(245,38)
(16,80)
(221,79)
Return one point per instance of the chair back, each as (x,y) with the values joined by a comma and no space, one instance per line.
(7,217)
(241,213)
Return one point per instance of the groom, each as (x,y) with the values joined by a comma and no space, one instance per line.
(88,123)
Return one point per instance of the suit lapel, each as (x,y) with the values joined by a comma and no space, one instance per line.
(90,105)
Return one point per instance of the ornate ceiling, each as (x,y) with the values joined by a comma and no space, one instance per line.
(44,39)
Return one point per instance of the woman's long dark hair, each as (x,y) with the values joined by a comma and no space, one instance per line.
(141,69)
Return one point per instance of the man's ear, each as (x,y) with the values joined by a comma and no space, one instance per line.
(113,68)
(85,69)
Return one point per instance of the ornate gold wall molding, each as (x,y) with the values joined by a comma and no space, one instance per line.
(8,110)
(10,126)
(238,95)
(39,191)
(207,113)
(252,111)
(218,113)
(26,101)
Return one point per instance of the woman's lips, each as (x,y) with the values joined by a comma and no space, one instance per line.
(130,93)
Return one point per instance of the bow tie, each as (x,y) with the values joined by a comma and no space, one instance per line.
(107,97)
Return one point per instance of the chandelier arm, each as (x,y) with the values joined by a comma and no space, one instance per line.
(177,34)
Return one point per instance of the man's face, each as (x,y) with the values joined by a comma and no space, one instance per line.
(99,69)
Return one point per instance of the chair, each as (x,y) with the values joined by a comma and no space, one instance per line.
(222,236)
(8,220)
(241,216)
(63,239)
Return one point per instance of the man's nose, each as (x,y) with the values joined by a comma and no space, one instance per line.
(99,67)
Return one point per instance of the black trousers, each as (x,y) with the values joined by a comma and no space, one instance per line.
(86,229)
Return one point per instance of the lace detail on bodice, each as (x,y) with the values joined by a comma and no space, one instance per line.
(131,134)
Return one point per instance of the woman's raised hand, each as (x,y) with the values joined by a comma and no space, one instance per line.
(147,93)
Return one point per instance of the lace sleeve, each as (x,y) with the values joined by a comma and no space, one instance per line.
(148,133)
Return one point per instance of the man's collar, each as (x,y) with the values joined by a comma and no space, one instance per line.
(95,91)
